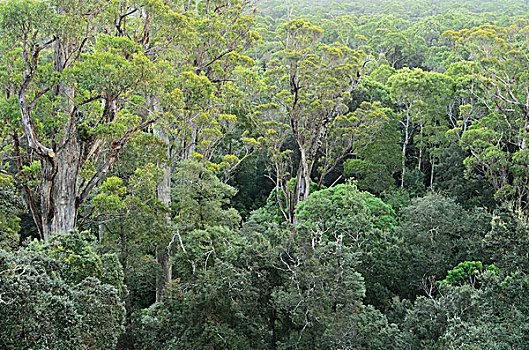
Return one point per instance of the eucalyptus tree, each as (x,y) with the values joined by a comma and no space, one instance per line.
(78,74)
(424,98)
(202,65)
(498,142)
(309,83)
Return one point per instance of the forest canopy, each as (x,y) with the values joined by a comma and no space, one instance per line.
(269,174)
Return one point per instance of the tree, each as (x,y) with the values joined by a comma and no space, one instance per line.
(201,70)
(375,164)
(485,312)
(11,205)
(321,299)
(350,136)
(79,93)
(363,223)
(498,142)
(423,97)
(438,233)
(60,295)
(310,82)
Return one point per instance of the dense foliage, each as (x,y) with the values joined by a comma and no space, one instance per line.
(278,174)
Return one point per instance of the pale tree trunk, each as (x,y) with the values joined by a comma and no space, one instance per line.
(406,126)
(163,192)
(59,175)
(419,163)
(59,190)
(525,133)
(308,154)
(101,233)
(302,186)
(432,173)
(163,256)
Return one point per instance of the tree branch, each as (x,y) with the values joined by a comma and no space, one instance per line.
(25,111)
(116,148)
(27,191)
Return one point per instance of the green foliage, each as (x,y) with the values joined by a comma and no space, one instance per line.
(489,312)
(47,299)
(438,233)
(76,252)
(277,200)
(199,198)
(397,199)
(453,182)
(362,222)
(463,272)
(10,207)
(504,243)
(133,117)
(37,307)
(377,162)
(414,183)
(322,300)
(214,310)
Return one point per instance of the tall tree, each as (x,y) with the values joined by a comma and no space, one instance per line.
(423,98)
(310,82)
(202,65)
(79,73)
(499,141)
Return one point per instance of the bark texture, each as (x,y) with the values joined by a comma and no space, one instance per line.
(163,192)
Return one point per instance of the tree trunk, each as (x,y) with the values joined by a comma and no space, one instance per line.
(166,269)
(60,173)
(162,251)
(63,156)
(101,232)
(59,190)
(432,173)
(302,186)
(525,135)
(404,146)
(419,163)
(163,256)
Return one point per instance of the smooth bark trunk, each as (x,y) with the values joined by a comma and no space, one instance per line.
(432,173)
(404,146)
(163,256)
(302,186)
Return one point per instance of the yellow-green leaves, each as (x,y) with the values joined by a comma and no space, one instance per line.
(301,34)
(111,196)
(25,18)
(196,90)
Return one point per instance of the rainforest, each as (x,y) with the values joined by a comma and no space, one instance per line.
(264,174)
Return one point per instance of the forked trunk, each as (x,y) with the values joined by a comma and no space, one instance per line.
(302,186)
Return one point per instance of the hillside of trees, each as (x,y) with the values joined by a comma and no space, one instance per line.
(268,174)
